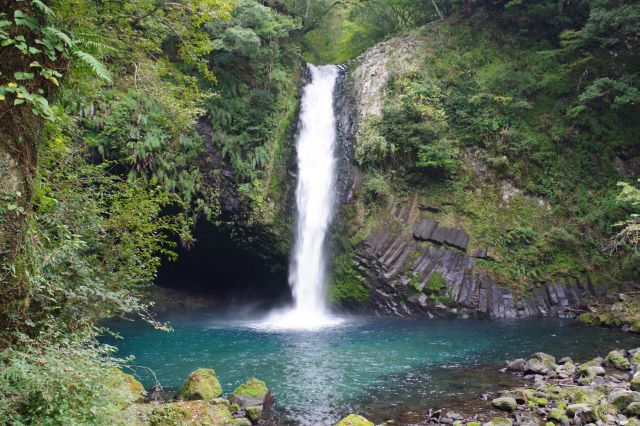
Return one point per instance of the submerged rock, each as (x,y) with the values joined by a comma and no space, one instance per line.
(202,384)
(354,420)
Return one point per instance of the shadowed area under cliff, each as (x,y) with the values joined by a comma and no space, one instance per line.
(218,265)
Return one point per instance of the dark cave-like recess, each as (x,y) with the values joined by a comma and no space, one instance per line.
(218,266)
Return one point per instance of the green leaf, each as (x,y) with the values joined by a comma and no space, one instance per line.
(23,75)
(18,102)
(97,66)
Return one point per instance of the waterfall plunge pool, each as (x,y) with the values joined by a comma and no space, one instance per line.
(381,368)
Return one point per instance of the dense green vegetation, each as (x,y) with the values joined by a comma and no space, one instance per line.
(513,119)
(122,122)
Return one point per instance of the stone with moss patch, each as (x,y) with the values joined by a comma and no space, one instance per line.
(500,421)
(132,386)
(505,403)
(617,360)
(202,384)
(251,393)
(191,413)
(354,420)
(254,413)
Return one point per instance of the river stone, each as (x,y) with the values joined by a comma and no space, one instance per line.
(251,393)
(617,360)
(201,384)
(191,413)
(516,365)
(534,365)
(544,357)
(499,421)
(622,398)
(565,360)
(633,409)
(254,413)
(584,412)
(505,403)
(635,382)
(354,420)
(590,369)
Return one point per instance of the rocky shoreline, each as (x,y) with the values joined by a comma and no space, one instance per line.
(199,402)
(601,391)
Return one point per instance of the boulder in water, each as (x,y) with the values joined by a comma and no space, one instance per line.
(202,384)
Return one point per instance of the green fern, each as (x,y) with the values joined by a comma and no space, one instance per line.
(46,11)
(56,33)
(97,66)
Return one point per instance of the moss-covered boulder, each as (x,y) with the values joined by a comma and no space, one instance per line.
(633,409)
(544,357)
(621,399)
(635,382)
(191,413)
(251,393)
(354,420)
(505,403)
(499,421)
(128,383)
(558,414)
(617,360)
(202,384)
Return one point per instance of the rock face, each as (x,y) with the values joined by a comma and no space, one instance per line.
(399,258)
(202,384)
(411,264)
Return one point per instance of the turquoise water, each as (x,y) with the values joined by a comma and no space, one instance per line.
(378,367)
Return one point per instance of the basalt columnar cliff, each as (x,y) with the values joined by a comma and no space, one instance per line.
(469,243)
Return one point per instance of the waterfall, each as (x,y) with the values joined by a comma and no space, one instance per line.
(315,201)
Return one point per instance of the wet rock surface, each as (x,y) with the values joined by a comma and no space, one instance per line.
(566,395)
(399,258)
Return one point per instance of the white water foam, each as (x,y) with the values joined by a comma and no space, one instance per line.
(315,198)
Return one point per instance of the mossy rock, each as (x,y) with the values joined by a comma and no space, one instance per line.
(191,413)
(122,380)
(354,420)
(500,421)
(505,403)
(251,393)
(617,360)
(202,384)
(254,413)
(558,414)
(633,409)
(621,399)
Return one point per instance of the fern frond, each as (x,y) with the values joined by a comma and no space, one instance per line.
(98,46)
(52,31)
(46,11)
(98,67)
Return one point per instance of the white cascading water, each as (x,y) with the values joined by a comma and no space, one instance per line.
(315,204)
